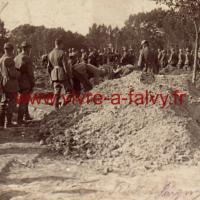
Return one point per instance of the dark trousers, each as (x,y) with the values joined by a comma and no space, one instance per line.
(7,107)
(23,111)
(58,85)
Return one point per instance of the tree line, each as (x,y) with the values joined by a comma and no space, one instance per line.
(162,28)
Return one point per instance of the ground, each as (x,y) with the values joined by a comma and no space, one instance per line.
(29,172)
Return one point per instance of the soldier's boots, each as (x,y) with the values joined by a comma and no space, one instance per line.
(2,115)
(28,118)
(9,123)
(20,120)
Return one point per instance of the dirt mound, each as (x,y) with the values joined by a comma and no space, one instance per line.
(143,134)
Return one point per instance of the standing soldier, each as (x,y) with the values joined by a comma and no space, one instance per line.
(131,57)
(104,56)
(117,57)
(124,58)
(59,71)
(146,59)
(110,56)
(92,58)
(24,64)
(84,57)
(189,59)
(181,59)
(9,85)
(18,49)
(164,60)
(159,54)
(173,59)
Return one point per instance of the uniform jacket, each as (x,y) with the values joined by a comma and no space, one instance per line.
(24,64)
(173,60)
(147,57)
(9,74)
(58,67)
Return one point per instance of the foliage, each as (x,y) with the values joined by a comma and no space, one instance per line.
(42,39)
(3,36)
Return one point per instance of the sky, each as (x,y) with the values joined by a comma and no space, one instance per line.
(74,15)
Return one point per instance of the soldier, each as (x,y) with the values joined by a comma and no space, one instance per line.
(173,59)
(44,60)
(181,59)
(124,59)
(84,57)
(59,71)
(18,49)
(163,60)
(92,58)
(159,54)
(110,56)
(117,58)
(83,72)
(69,52)
(24,64)
(189,59)
(104,56)
(131,57)
(9,85)
(146,59)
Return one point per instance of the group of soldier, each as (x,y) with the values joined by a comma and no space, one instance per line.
(73,71)
(99,57)
(16,77)
(166,61)
(182,59)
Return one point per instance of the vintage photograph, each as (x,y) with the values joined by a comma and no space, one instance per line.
(99,99)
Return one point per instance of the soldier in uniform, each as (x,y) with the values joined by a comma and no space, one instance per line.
(44,60)
(24,64)
(146,58)
(163,60)
(83,72)
(99,58)
(173,59)
(181,59)
(104,56)
(84,57)
(131,57)
(159,54)
(9,85)
(124,58)
(92,58)
(18,49)
(110,56)
(189,59)
(59,70)
(117,57)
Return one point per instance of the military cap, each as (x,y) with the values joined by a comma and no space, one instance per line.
(25,44)
(8,45)
(144,42)
(58,41)
(187,49)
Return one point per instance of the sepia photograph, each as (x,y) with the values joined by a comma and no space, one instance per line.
(99,99)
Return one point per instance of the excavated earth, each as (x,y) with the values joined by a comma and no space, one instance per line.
(128,138)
